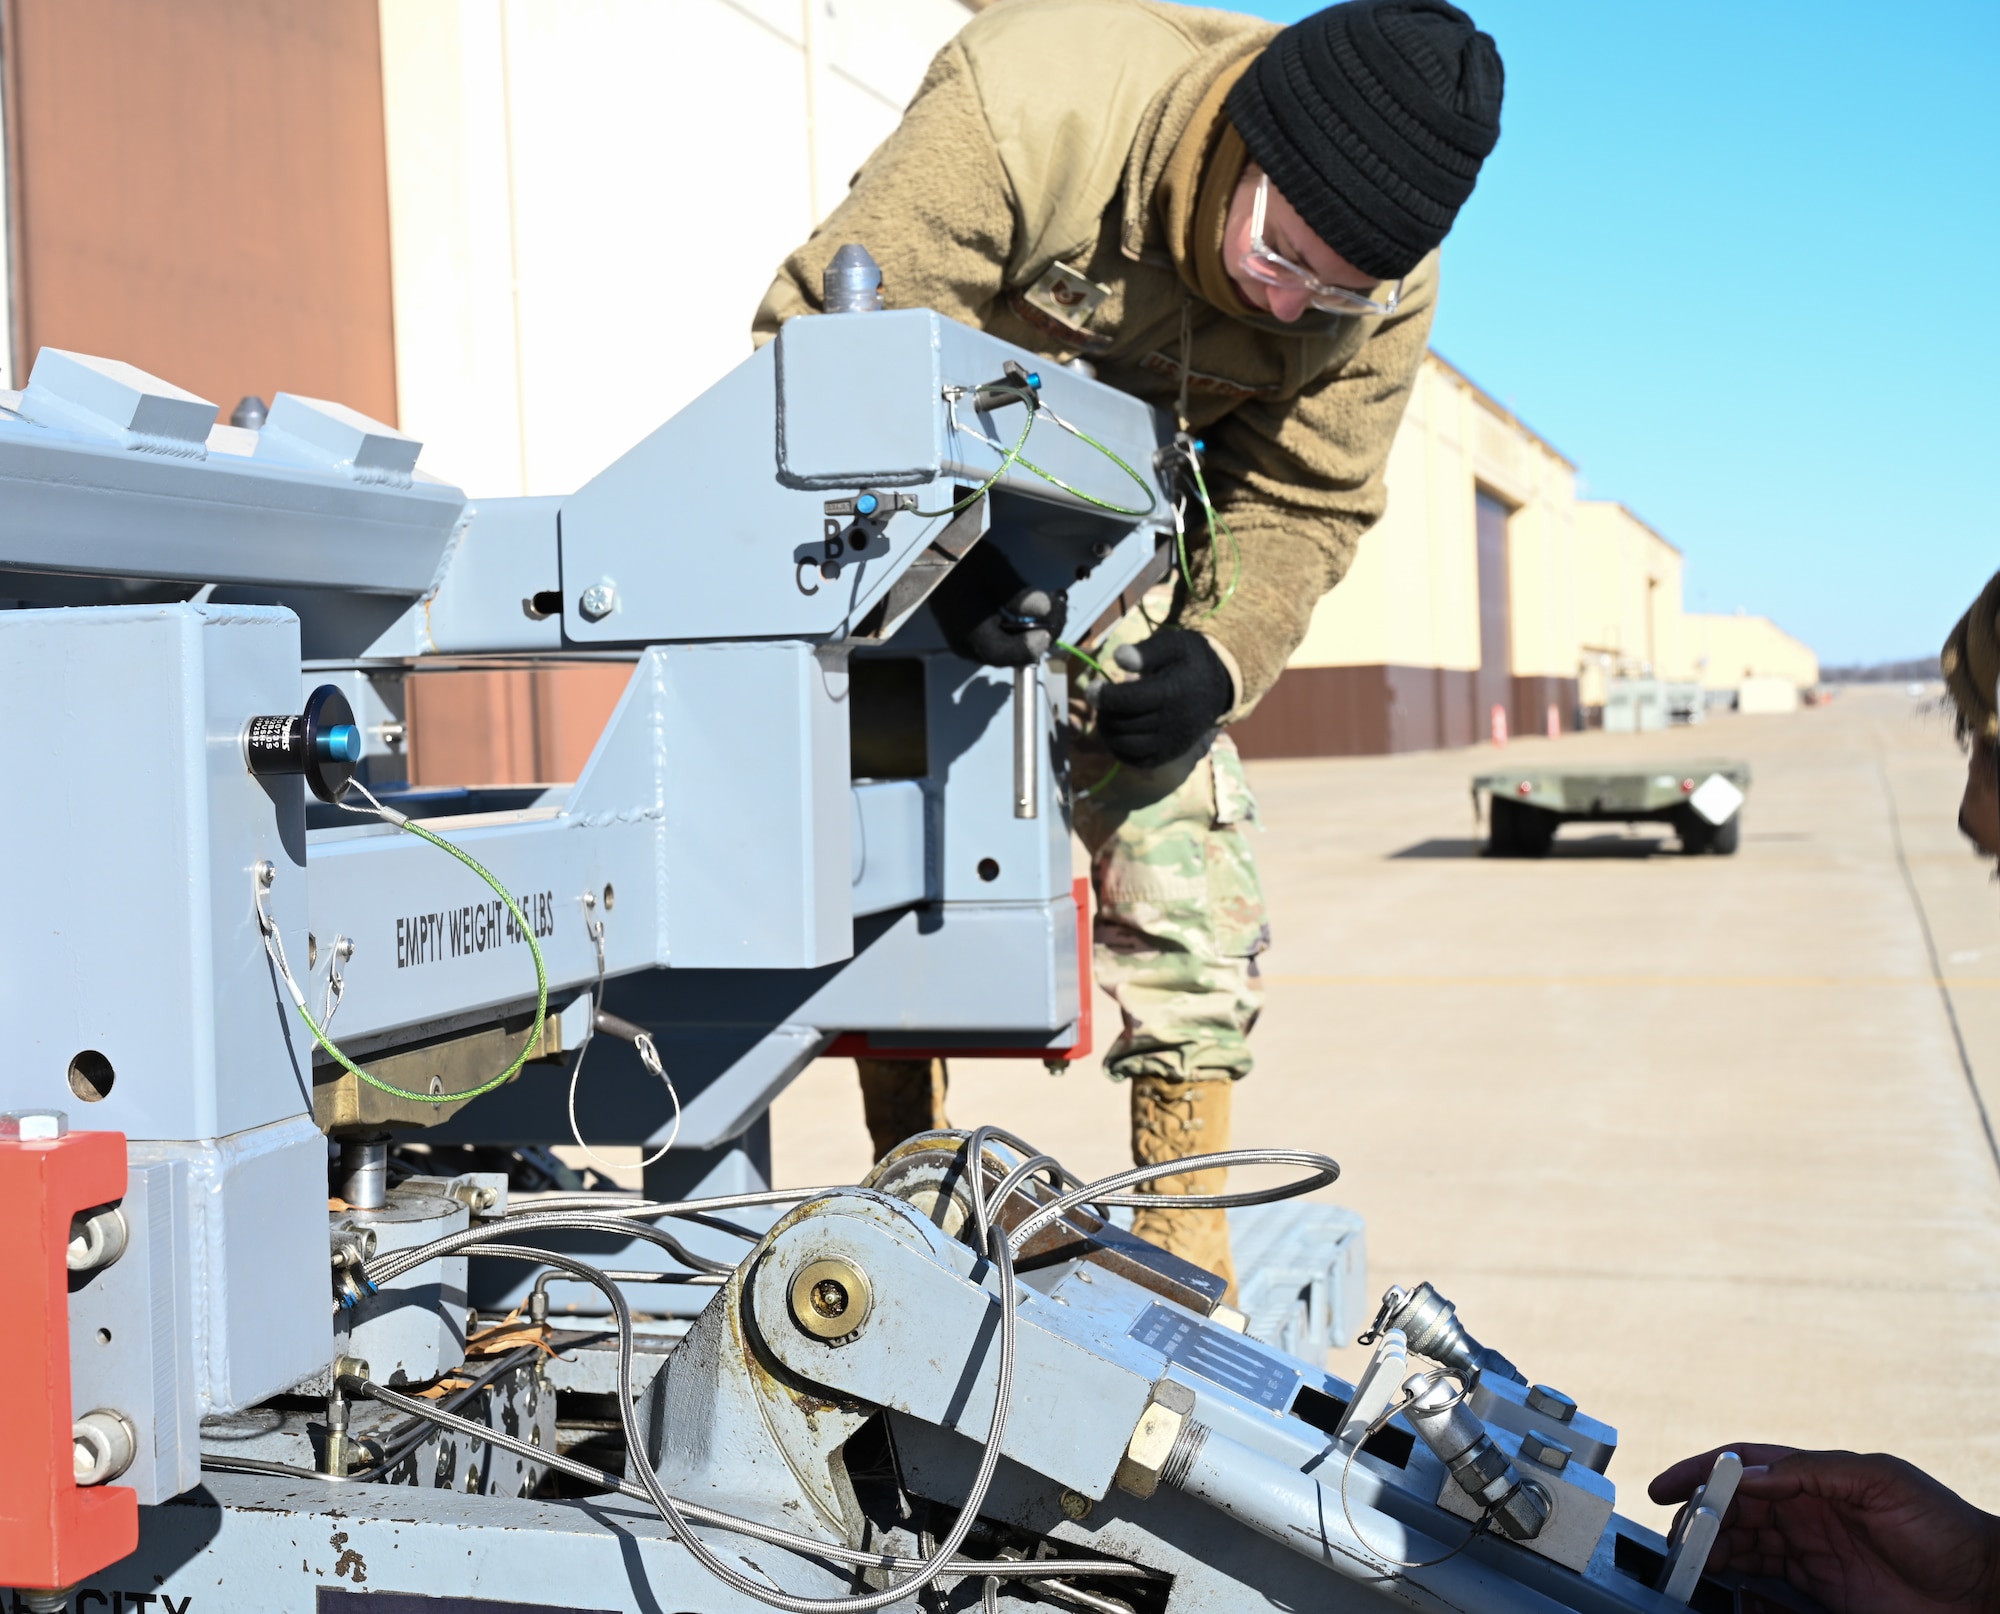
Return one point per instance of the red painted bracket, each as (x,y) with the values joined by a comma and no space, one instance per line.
(857,1044)
(52,1531)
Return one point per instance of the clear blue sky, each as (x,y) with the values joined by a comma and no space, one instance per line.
(1741,262)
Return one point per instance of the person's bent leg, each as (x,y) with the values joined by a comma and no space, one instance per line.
(900,1098)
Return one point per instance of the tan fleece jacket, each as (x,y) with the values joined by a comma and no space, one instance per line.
(1022,194)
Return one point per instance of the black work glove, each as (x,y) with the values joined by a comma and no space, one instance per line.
(991,615)
(1181,692)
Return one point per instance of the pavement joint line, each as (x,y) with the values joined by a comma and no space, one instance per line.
(1937,963)
(1752,1280)
(1926,982)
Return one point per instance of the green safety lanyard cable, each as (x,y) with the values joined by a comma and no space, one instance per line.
(1083,436)
(274,944)
(1008,456)
(1083,656)
(1012,455)
(1103,672)
(1216,522)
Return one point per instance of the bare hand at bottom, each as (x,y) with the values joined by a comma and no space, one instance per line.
(1859,1534)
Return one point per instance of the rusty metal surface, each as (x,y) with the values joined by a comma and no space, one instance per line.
(342,1103)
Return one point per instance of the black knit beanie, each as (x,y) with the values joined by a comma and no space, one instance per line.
(1372,118)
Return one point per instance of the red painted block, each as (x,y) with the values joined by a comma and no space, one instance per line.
(52,1532)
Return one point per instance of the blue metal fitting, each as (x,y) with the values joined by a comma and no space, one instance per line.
(340,743)
(866,505)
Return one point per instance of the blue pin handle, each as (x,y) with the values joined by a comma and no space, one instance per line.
(340,743)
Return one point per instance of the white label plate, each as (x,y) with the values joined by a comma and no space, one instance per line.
(1716,800)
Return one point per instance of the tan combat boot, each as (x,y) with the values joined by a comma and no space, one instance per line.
(900,1098)
(1170,1120)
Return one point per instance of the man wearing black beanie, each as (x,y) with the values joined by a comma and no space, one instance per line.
(1239,223)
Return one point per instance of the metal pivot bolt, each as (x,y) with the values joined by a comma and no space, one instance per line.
(105,1445)
(598,601)
(831,1298)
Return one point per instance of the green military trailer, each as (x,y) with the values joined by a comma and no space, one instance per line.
(1702,800)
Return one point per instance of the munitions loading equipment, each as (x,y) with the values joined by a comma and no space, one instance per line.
(263,1175)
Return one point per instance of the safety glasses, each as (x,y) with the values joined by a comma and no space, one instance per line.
(1274,269)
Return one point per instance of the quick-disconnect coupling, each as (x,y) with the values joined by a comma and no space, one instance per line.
(1430,1324)
(1459,1440)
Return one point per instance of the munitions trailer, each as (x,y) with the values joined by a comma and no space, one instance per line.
(1702,800)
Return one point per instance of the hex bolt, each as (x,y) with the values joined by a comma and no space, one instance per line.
(34,1126)
(1551,1403)
(96,1238)
(1159,1429)
(104,1446)
(598,601)
(1538,1448)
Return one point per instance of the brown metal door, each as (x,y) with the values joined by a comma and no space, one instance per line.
(1493,684)
(201,190)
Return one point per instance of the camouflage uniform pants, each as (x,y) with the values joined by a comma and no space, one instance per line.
(1180,910)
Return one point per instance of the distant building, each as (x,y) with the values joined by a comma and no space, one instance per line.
(527,234)
(1490,585)
(1461,599)
(1633,624)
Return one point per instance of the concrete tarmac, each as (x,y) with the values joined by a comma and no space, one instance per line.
(1701,1141)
